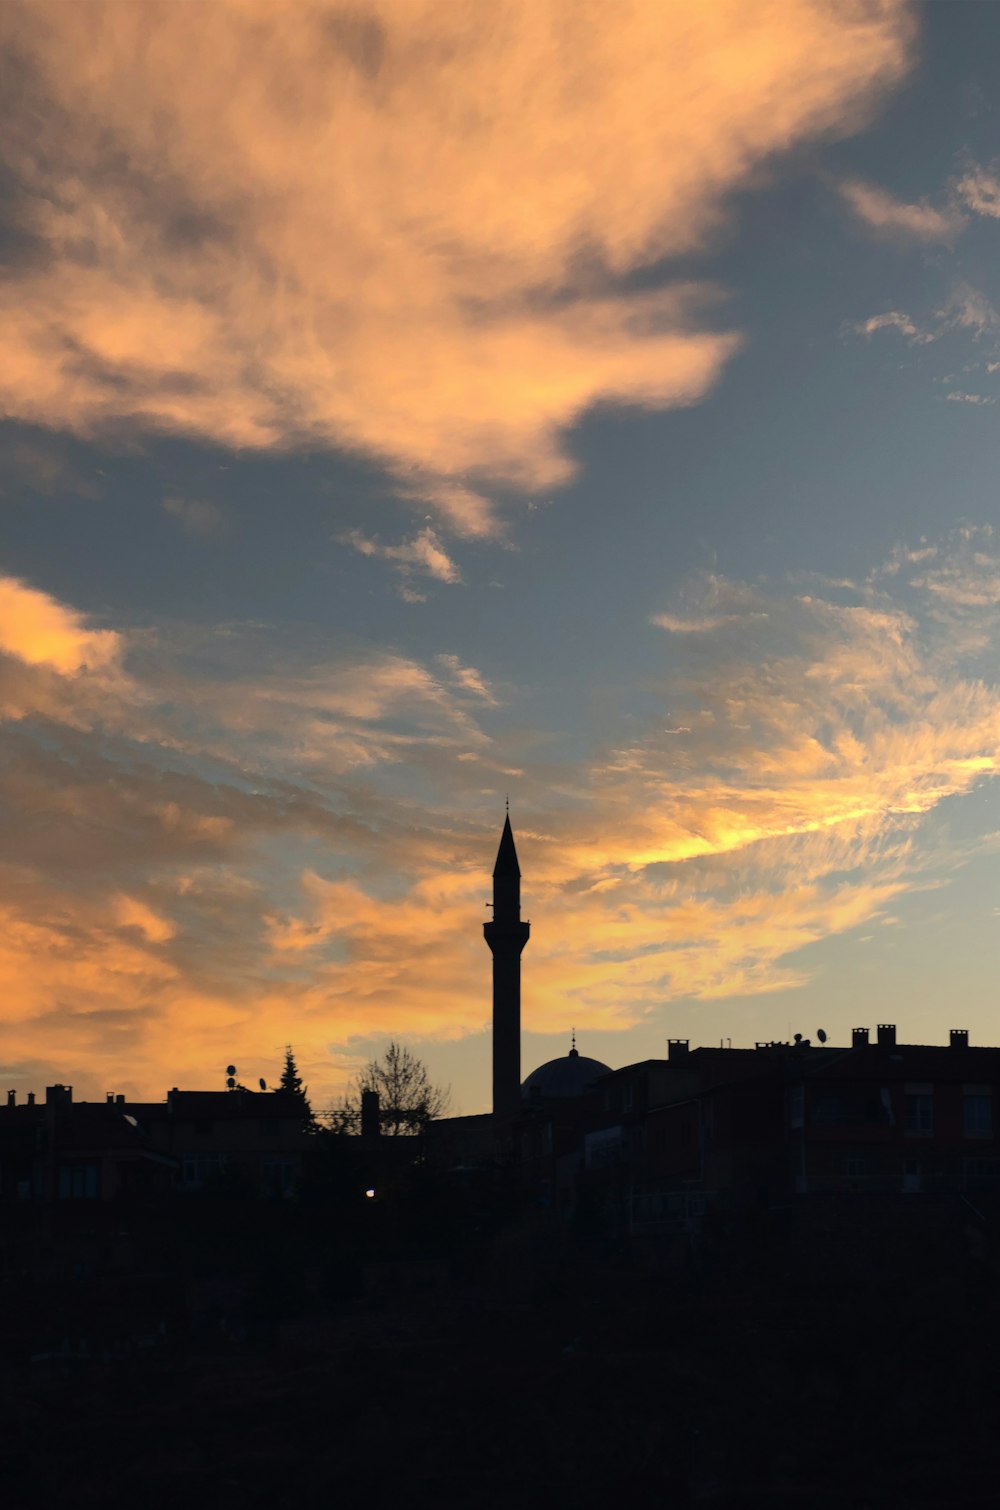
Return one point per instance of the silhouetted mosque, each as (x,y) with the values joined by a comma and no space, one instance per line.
(655,1142)
(507,934)
(651,1145)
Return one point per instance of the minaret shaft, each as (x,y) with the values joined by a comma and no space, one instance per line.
(506,936)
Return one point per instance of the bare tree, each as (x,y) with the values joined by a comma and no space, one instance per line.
(407,1098)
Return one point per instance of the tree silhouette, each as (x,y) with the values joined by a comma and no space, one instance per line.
(291,1080)
(291,1088)
(407,1098)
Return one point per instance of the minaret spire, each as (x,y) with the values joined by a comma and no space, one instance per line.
(506,936)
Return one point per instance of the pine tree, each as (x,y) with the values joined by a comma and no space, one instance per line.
(291,1081)
(291,1088)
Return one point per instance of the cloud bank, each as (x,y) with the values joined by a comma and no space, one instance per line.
(402,228)
(219,842)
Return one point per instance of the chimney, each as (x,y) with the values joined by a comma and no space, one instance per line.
(109,1097)
(959,1038)
(370,1120)
(31,1098)
(58,1095)
(859,1038)
(171,1099)
(12,1098)
(119,1100)
(886,1032)
(677,1048)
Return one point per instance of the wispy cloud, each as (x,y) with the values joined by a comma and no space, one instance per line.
(157,808)
(888,216)
(708,603)
(966,309)
(675,624)
(240,830)
(895,319)
(959,396)
(467,678)
(395,230)
(424,554)
(196,515)
(979,189)
(970,309)
(219,840)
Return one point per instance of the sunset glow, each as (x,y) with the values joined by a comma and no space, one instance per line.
(410,406)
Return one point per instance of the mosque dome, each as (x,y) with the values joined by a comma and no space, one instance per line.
(570,1076)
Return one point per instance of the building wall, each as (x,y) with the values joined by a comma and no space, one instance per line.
(741,1127)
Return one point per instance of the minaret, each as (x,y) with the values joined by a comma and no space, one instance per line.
(506,936)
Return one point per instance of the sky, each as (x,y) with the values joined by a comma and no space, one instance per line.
(408,406)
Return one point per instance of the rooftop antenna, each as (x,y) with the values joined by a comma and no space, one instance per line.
(573,1040)
(230,1077)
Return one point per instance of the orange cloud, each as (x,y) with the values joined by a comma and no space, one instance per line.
(41,632)
(423,554)
(131,912)
(402,228)
(170,918)
(786,809)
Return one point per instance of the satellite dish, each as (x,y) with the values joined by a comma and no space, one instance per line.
(821,1034)
(231,1083)
(262,1084)
(230,1069)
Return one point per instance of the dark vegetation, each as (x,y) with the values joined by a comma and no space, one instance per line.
(408,1098)
(442,1343)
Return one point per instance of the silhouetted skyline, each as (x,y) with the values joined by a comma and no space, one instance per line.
(405,410)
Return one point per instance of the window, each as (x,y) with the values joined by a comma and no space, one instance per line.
(855,1166)
(270,1127)
(628,1098)
(919,1115)
(912,1177)
(78,1182)
(200,1168)
(796,1105)
(978,1115)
